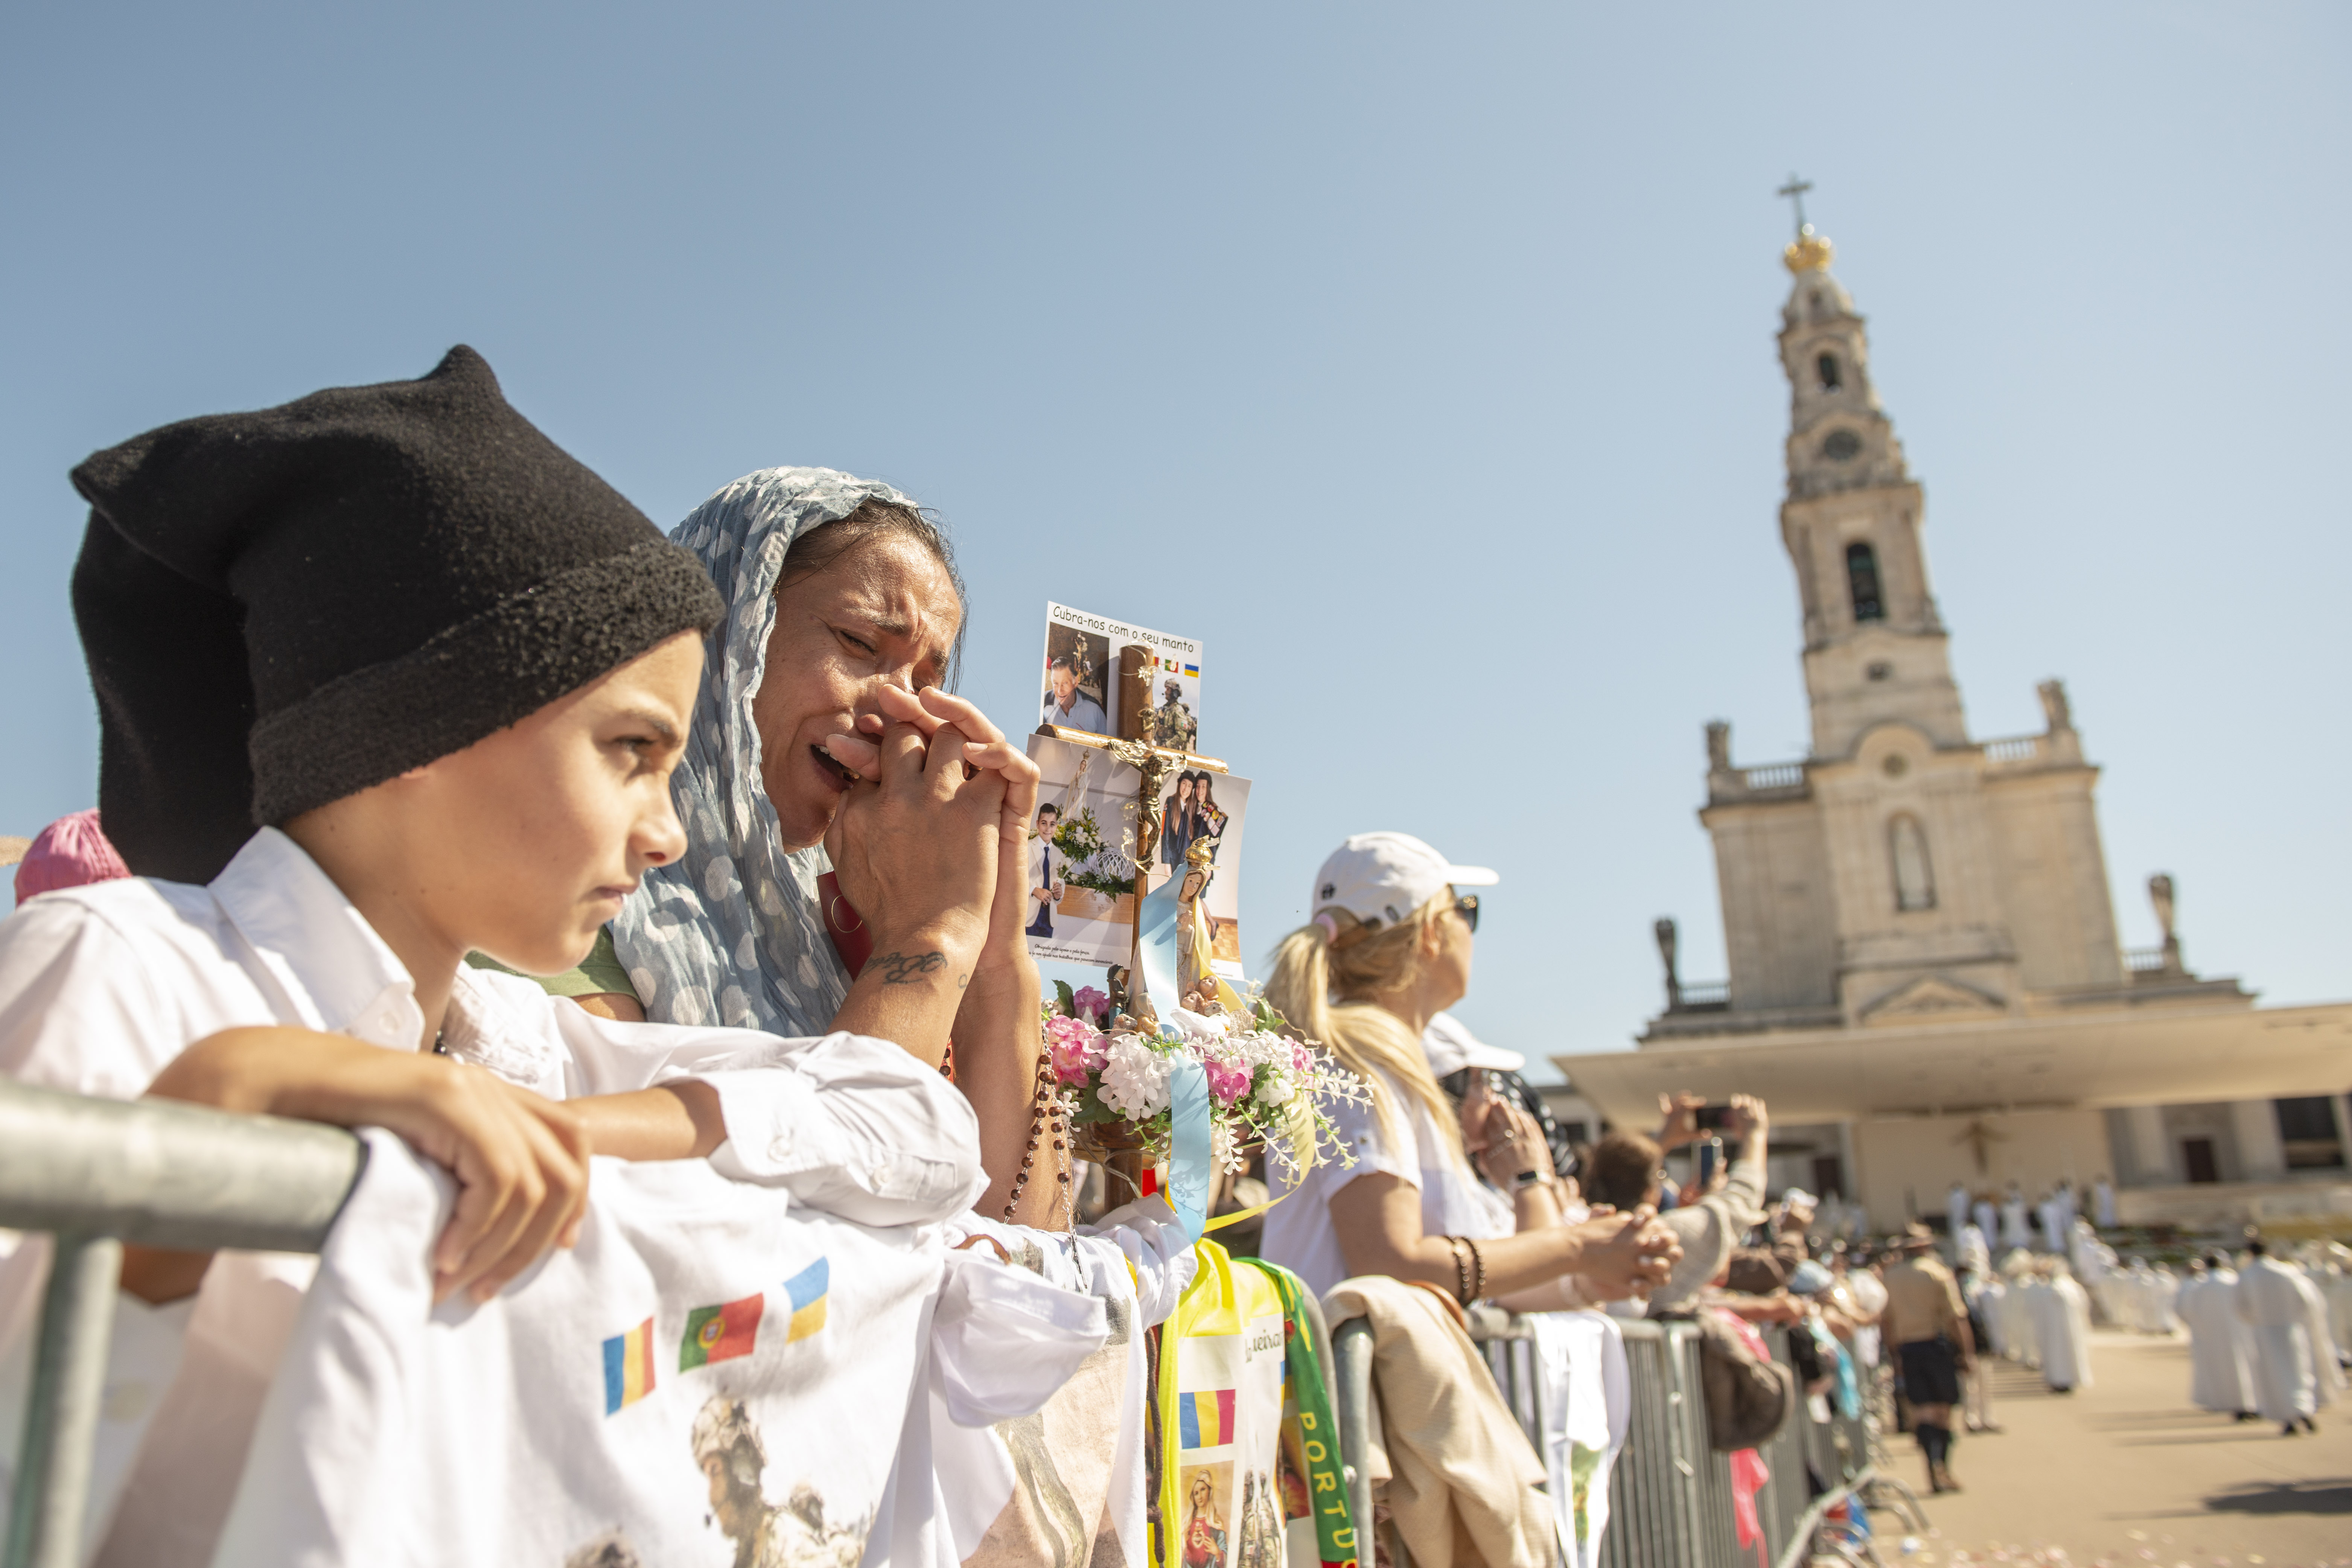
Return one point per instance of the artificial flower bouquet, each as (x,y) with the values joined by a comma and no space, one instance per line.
(1264,1087)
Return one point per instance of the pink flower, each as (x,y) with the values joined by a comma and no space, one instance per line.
(1228,1080)
(1302,1060)
(1091,1003)
(1077,1046)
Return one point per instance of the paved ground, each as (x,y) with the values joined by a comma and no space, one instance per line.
(2128,1472)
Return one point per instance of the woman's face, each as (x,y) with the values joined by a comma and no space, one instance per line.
(1183,791)
(884,613)
(1446,952)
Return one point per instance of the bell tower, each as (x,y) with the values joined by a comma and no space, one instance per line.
(1874,643)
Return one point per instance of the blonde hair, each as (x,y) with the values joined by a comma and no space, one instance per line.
(1320,974)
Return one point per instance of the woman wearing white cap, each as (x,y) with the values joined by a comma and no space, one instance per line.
(1388,949)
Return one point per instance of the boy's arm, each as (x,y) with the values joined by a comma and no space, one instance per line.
(521,1160)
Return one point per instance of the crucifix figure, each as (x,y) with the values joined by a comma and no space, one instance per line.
(1795,191)
(1980,1139)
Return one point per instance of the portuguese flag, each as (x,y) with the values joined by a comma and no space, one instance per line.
(721,1332)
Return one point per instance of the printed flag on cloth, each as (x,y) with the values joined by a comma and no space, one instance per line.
(1207,1415)
(806,1290)
(628,1367)
(720,1333)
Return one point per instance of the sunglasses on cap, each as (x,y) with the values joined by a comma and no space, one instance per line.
(1466,906)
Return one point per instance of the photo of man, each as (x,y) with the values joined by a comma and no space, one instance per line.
(1066,705)
(1047,889)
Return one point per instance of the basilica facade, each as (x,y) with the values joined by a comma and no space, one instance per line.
(1925,980)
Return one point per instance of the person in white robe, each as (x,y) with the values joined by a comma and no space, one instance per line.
(2220,1348)
(2164,1305)
(2051,1215)
(1975,1251)
(2102,1201)
(2063,1327)
(2084,1252)
(2337,1286)
(2016,1326)
(1955,1209)
(1987,1217)
(2022,1311)
(2015,1229)
(2282,1309)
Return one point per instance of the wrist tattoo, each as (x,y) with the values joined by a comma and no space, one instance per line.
(903,969)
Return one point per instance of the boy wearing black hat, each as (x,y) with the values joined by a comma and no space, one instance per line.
(386,676)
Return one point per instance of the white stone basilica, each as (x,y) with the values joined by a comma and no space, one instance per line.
(1924,976)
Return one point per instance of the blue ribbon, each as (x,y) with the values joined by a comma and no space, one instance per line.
(1188,1083)
(1155,945)
(1188,1144)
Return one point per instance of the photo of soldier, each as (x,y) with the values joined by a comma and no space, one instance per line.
(726,1445)
(1174,726)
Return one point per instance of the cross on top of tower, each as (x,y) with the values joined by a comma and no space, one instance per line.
(1795,191)
(1809,252)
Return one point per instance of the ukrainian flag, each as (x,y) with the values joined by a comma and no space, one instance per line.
(1206,1417)
(1191,670)
(807,1291)
(629,1366)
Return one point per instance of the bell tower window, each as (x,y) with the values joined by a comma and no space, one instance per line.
(1862,582)
(1828,367)
(1915,878)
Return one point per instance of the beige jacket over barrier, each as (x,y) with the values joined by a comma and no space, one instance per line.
(1464,1487)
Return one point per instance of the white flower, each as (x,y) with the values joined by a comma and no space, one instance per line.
(1135,1078)
(1275,1089)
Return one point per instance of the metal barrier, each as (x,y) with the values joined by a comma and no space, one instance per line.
(1670,1495)
(96,1174)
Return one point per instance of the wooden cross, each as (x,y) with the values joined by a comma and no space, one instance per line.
(1979,1137)
(1795,191)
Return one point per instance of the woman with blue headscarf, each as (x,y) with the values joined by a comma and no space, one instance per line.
(824,746)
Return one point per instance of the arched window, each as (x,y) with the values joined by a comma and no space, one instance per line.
(1915,878)
(1828,366)
(1862,581)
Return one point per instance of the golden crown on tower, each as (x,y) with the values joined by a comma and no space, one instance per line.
(1809,252)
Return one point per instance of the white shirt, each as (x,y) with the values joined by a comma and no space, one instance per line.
(102,986)
(1299,1231)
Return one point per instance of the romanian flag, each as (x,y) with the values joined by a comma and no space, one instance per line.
(629,1366)
(807,1291)
(1207,1417)
(1192,669)
(721,1332)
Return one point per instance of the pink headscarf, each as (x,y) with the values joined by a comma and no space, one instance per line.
(68,853)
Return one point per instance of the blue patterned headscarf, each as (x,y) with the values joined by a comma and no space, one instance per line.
(730,933)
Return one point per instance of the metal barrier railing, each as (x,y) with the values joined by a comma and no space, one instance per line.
(96,1174)
(1670,1495)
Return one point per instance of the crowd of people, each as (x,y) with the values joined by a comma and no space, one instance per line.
(659,909)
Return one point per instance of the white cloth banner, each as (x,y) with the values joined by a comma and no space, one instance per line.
(712,1374)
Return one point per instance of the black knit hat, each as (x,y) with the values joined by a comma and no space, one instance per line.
(283,608)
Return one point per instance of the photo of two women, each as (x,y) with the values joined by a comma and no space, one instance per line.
(1190,812)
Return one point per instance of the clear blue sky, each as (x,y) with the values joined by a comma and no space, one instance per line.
(1419,359)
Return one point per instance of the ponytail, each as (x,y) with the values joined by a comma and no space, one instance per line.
(1320,973)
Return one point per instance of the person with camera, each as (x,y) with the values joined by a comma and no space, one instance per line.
(1628,1169)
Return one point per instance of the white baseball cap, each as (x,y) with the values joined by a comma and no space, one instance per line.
(1450,1047)
(1382,877)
